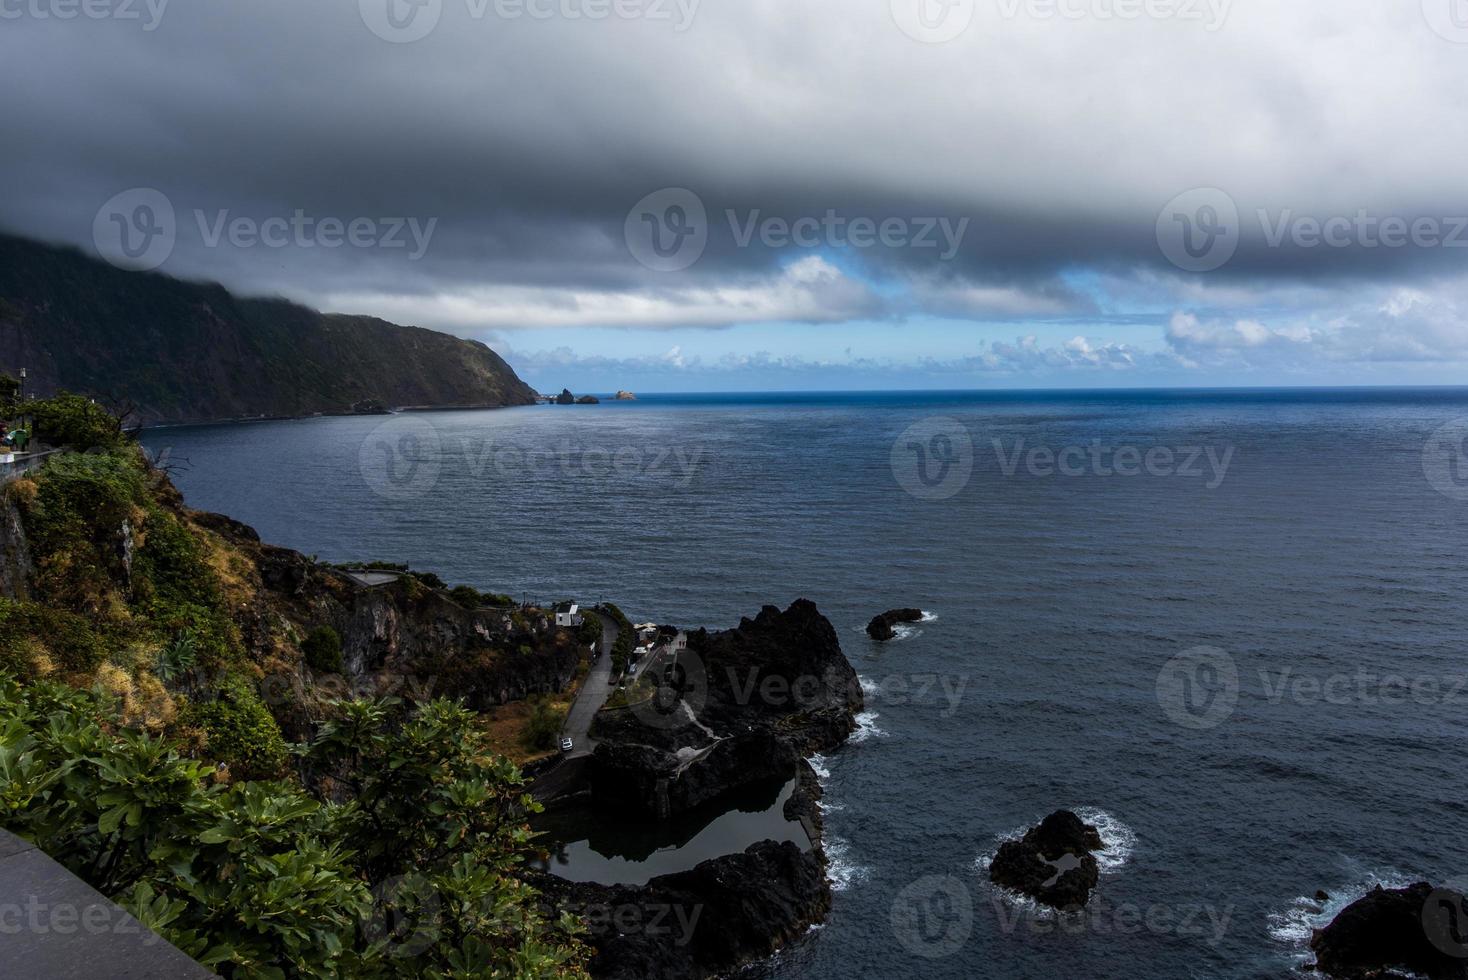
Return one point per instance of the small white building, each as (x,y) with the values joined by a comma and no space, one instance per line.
(568,614)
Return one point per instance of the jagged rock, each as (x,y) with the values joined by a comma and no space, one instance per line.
(626,396)
(1053,863)
(880,628)
(1393,933)
(742,706)
(705,922)
(565,397)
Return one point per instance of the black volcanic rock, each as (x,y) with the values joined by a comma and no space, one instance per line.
(1391,933)
(741,706)
(193,352)
(705,922)
(565,397)
(880,628)
(588,400)
(1053,863)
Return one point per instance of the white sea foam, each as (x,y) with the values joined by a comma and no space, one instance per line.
(841,871)
(1117,839)
(869,687)
(818,765)
(1295,925)
(866,727)
(929,617)
(1117,843)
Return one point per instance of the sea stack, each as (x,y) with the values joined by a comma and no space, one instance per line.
(1053,863)
(880,628)
(1394,933)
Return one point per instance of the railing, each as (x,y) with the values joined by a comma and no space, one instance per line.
(13,465)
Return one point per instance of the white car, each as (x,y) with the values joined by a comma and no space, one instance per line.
(566,745)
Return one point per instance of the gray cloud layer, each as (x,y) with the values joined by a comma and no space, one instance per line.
(1059,139)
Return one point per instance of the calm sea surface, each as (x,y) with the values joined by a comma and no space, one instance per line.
(1245,659)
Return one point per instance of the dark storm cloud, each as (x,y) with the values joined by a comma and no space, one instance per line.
(1058,145)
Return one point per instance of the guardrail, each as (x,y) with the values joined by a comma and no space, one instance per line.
(13,465)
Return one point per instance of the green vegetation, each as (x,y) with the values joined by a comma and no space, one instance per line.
(241,733)
(544,725)
(412,878)
(626,638)
(389,847)
(71,420)
(323,650)
(471,598)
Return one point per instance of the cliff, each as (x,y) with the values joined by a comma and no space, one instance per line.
(193,352)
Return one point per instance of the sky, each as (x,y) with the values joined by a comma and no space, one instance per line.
(686,195)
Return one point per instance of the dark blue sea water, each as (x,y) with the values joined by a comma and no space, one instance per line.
(1246,660)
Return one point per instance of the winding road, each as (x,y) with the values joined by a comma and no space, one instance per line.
(594,693)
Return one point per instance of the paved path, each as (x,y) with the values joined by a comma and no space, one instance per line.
(594,693)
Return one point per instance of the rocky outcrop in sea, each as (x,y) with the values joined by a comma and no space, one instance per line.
(1397,933)
(1053,863)
(881,627)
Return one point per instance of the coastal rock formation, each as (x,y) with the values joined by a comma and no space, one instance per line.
(741,704)
(710,920)
(588,400)
(565,397)
(626,396)
(403,638)
(192,352)
(880,628)
(1053,863)
(1395,933)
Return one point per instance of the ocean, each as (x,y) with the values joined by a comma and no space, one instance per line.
(1226,626)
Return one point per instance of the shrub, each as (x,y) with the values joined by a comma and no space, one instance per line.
(77,422)
(544,725)
(323,650)
(34,638)
(241,732)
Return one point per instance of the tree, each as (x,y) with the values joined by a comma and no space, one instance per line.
(413,876)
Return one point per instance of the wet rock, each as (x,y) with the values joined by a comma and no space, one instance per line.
(1390,934)
(1053,863)
(880,628)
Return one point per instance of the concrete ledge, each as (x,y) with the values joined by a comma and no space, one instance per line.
(54,926)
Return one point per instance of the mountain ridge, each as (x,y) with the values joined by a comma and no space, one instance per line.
(177,351)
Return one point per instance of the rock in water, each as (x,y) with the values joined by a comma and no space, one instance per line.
(1053,863)
(880,628)
(1391,933)
(588,400)
(565,397)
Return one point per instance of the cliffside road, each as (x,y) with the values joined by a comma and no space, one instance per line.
(594,693)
